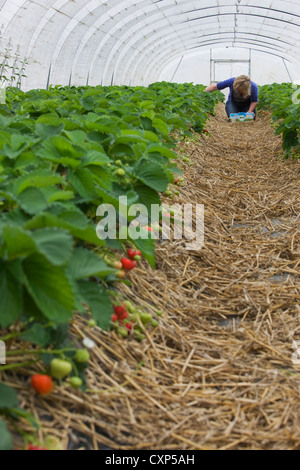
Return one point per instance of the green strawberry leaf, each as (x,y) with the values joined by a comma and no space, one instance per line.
(151,174)
(10,292)
(37,334)
(32,200)
(84,264)
(99,302)
(6,442)
(8,396)
(50,288)
(55,244)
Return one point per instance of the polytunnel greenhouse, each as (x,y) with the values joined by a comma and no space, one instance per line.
(150,227)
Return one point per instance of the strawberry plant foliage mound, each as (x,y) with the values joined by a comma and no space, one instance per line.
(284,102)
(59,152)
(63,152)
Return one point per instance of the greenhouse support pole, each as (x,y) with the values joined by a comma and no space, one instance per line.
(48,80)
(250,62)
(177,68)
(288,72)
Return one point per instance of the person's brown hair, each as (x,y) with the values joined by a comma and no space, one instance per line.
(243,82)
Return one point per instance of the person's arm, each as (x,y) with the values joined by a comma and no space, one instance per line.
(252,107)
(211,88)
(254,97)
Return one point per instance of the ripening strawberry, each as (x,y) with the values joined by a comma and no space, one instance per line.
(120,274)
(42,384)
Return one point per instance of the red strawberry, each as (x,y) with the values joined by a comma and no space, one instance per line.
(42,384)
(120,309)
(128,264)
(129,326)
(32,447)
(131,253)
(176,181)
(114,317)
(123,316)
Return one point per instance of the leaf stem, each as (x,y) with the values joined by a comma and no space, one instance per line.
(17,365)
(39,351)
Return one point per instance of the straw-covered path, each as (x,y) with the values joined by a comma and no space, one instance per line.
(221,370)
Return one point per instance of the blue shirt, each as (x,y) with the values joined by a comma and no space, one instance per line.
(229,83)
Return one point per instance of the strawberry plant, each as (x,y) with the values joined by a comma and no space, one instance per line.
(283,101)
(63,153)
(11,412)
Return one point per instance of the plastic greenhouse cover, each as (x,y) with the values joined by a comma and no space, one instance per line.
(132,41)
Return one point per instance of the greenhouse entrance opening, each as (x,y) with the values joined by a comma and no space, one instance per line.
(229,64)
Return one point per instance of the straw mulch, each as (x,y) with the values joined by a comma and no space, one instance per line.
(221,370)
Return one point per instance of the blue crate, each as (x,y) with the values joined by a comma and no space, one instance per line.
(241,117)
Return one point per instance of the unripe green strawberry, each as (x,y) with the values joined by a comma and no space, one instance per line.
(82,355)
(154,323)
(122,331)
(60,368)
(76,382)
(133,317)
(112,262)
(119,163)
(139,336)
(92,323)
(168,193)
(159,313)
(137,257)
(120,172)
(145,317)
(129,306)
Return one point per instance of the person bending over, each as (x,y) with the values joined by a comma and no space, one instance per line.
(243,94)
